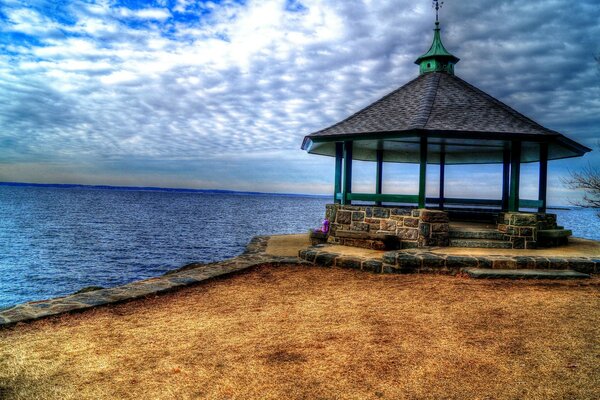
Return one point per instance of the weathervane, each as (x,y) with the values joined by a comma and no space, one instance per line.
(437,5)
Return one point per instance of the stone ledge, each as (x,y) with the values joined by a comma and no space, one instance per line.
(423,261)
(188,275)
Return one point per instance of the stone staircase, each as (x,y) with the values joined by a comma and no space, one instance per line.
(478,238)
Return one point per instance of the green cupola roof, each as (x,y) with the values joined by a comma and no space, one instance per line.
(437,59)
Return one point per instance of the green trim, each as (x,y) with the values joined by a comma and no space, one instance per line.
(347,186)
(437,58)
(379,173)
(423,172)
(543,177)
(339,156)
(515,176)
(505,178)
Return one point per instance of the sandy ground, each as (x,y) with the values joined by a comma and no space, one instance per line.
(288,245)
(315,333)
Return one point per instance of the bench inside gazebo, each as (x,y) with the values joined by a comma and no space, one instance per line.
(437,120)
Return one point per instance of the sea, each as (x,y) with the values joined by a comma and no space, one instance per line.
(57,240)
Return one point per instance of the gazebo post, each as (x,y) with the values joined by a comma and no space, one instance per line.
(442,176)
(505,178)
(379,173)
(347,187)
(543,179)
(339,155)
(422,170)
(515,172)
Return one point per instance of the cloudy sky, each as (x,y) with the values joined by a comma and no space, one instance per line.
(219,94)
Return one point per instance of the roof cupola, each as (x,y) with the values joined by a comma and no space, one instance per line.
(437,59)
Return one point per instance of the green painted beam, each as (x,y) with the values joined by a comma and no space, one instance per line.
(515,176)
(505,179)
(422,171)
(543,179)
(379,174)
(347,187)
(339,156)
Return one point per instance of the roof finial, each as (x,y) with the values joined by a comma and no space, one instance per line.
(437,5)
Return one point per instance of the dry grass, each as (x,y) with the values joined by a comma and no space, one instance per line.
(310,333)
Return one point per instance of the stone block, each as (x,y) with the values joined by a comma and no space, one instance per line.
(398,218)
(407,263)
(372,266)
(348,262)
(390,257)
(558,263)
(523,219)
(409,244)
(503,263)
(582,265)
(344,217)
(380,212)
(440,227)
(368,212)
(415,213)
(388,225)
(360,227)
(502,228)
(518,242)
(358,216)
(525,262)
(459,262)
(411,222)
(400,212)
(434,216)
(430,260)
(527,231)
(408,233)
(424,229)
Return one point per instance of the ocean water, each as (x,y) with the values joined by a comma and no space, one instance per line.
(54,241)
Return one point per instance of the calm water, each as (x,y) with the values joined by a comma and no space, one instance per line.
(56,241)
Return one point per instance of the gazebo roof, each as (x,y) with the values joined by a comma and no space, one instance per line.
(465,123)
(448,110)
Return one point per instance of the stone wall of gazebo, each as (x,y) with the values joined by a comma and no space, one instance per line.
(414,227)
(417,228)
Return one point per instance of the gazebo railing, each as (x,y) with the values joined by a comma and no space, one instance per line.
(414,199)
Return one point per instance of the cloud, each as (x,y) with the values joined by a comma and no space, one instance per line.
(99,83)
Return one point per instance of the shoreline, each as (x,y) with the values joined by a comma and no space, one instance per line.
(257,254)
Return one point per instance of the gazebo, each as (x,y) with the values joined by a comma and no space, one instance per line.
(438,118)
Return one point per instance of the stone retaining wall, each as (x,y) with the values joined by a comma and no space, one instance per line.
(521,228)
(414,227)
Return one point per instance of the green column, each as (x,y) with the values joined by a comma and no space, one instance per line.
(422,171)
(339,155)
(347,187)
(379,173)
(515,172)
(442,176)
(505,178)
(543,180)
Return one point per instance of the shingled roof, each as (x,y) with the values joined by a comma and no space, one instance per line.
(441,105)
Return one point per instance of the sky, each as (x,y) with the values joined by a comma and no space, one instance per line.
(219,94)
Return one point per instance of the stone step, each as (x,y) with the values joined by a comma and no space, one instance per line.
(480,243)
(475,234)
(484,273)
